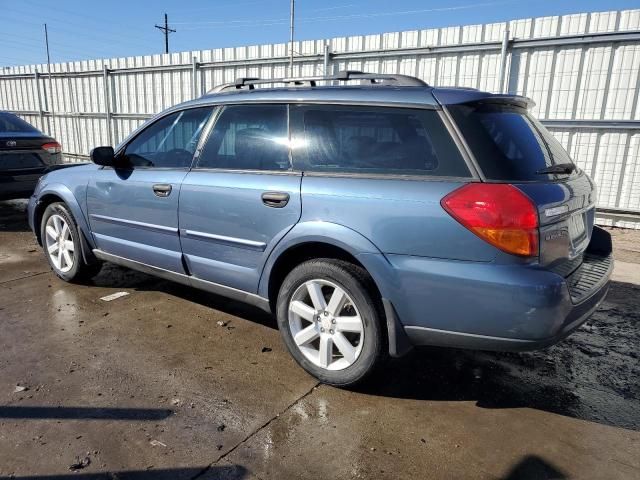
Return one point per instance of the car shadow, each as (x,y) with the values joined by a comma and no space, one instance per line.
(590,376)
(226,472)
(533,467)
(114,276)
(13,216)
(84,413)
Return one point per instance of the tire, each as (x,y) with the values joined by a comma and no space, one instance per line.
(60,234)
(315,337)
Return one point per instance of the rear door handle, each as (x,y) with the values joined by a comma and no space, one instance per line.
(275,199)
(162,189)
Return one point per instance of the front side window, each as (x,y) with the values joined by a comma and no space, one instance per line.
(378,140)
(248,137)
(170,142)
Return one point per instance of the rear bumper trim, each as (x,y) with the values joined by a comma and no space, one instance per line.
(594,271)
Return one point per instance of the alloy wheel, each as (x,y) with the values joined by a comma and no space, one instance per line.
(59,243)
(326,325)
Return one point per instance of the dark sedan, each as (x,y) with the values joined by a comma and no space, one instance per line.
(25,155)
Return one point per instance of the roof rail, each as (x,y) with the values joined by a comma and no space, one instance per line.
(342,76)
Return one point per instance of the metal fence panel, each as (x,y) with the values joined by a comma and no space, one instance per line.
(582,70)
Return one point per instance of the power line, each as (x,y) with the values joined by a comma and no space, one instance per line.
(85,29)
(278,21)
(166,30)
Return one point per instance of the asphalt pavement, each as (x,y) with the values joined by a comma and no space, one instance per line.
(167,382)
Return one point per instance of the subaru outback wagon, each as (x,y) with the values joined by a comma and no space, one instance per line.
(368,217)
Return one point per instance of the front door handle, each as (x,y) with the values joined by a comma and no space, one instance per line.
(275,199)
(162,189)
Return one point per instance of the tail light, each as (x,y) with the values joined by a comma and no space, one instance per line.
(498,213)
(52,147)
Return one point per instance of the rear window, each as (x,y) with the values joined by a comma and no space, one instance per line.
(508,143)
(374,140)
(11,123)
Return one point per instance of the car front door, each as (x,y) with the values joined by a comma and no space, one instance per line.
(241,197)
(133,209)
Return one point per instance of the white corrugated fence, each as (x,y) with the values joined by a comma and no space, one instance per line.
(582,70)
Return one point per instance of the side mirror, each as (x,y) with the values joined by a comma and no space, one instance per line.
(103,156)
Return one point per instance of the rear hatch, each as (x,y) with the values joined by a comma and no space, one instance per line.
(510,146)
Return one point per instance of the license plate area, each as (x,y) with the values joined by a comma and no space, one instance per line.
(577,230)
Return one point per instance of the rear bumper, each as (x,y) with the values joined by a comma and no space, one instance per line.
(579,315)
(487,306)
(21,183)
(18,185)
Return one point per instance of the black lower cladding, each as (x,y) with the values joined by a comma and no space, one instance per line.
(596,267)
(593,272)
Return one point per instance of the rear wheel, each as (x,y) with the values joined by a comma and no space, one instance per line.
(330,320)
(61,243)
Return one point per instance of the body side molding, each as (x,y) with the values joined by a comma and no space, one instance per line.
(241,242)
(133,223)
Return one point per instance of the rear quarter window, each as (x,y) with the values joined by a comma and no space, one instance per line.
(370,140)
(508,143)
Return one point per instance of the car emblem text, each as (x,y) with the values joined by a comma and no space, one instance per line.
(11,143)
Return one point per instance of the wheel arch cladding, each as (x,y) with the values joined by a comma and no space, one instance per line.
(310,240)
(328,240)
(61,193)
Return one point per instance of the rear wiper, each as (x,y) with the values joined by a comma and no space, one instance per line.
(559,168)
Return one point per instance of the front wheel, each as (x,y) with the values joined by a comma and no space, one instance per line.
(61,243)
(330,320)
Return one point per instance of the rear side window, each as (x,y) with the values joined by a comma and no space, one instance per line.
(13,124)
(248,137)
(374,140)
(508,143)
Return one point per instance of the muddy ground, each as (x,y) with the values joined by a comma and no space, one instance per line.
(171,383)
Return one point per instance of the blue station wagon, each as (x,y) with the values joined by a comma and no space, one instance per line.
(370,213)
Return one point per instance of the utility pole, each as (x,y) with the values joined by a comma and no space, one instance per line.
(53,112)
(166,30)
(293,10)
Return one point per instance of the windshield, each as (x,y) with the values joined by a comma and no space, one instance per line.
(508,143)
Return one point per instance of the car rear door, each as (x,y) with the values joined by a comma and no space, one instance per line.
(241,197)
(133,210)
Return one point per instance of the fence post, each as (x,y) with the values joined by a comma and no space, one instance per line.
(327,58)
(194,77)
(36,79)
(107,101)
(503,60)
